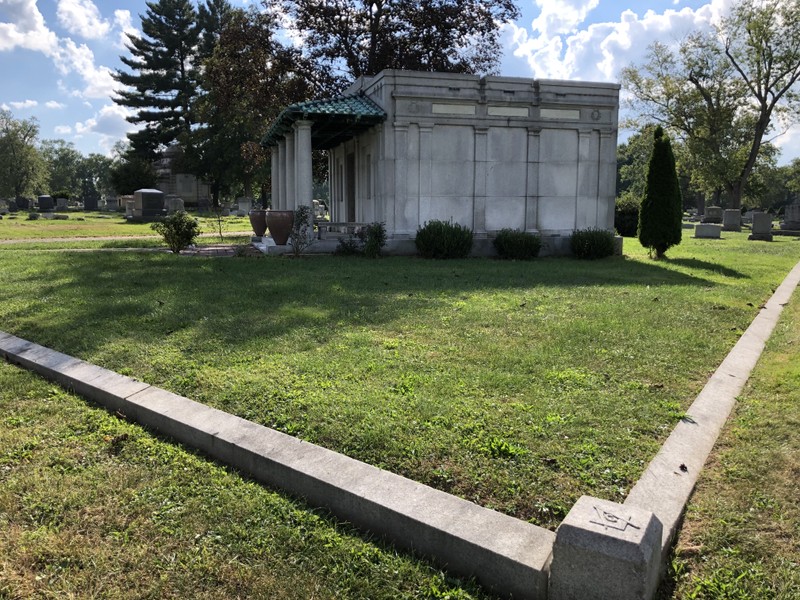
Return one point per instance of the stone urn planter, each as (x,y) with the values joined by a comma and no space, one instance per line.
(279,223)
(258,221)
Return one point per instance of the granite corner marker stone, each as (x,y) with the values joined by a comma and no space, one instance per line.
(606,550)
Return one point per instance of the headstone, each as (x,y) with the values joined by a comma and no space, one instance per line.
(148,203)
(4,207)
(46,203)
(90,203)
(173,203)
(244,205)
(58,217)
(130,205)
(747,218)
(713,214)
(732,220)
(791,217)
(606,550)
(23,203)
(61,204)
(12,206)
(48,215)
(707,230)
(762,227)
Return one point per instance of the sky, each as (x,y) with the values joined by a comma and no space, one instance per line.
(57,56)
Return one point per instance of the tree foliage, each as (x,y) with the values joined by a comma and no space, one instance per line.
(360,37)
(22,168)
(722,92)
(661,210)
(162,81)
(63,165)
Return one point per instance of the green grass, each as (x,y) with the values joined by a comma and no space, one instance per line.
(741,534)
(518,385)
(125,242)
(93,224)
(94,507)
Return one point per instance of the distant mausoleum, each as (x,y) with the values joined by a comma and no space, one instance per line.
(485,152)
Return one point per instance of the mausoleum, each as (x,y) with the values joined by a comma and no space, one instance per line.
(485,152)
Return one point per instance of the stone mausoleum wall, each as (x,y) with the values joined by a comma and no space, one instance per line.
(485,152)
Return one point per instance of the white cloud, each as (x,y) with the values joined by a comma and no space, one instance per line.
(62,129)
(555,45)
(54,105)
(23,27)
(108,124)
(122,22)
(80,59)
(23,104)
(81,17)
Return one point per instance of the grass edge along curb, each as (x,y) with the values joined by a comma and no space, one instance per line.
(511,560)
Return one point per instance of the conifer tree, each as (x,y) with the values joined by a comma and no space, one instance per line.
(662,206)
(162,81)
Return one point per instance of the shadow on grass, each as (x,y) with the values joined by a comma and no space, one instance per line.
(100,297)
(694,263)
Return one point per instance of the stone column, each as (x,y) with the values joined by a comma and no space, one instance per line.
(291,181)
(304,182)
(479,186)
(532,183)
(607,179)
(275,175)
(282,179)
(401,180)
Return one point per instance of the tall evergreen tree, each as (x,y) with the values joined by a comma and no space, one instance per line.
(162,81)
(662,207)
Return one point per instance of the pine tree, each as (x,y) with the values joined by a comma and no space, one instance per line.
(661,211)
(163,79)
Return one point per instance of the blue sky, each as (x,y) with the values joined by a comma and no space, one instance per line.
(56,56)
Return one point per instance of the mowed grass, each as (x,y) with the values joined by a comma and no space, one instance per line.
(92,506)
(517,385)
(741,535)
(95,224)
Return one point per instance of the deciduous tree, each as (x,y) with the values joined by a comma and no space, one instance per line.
(22,168)
(362,37)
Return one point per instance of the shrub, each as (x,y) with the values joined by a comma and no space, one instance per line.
(302,235)
(374,239)
(662,207)
(441,239)
(517,245)
(367,241)
(592,243)
(178,229)
(32,216)
(626,216)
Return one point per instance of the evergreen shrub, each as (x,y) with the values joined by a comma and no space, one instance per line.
(442,239)
(662,207)
(626,217)
(179,230)
(592,243)
(517,245)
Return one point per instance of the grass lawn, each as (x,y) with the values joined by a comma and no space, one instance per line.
(741,535)
(94,507)
(517,385)
(95,224)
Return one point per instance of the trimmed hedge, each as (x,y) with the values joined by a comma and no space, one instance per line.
(592,243)
(441,239)
(517,245)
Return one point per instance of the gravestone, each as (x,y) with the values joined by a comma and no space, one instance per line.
(4,207)
(46,203)
(791,218)
(707,231)
(12,206)
(148,203)
(61,204)
(130,205)
(90,203)
(762,227)
(732,220)
(713,215)
(174,203)
(244,204)
(23,203)
(747,218)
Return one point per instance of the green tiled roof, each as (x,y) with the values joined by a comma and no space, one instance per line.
(334,120)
